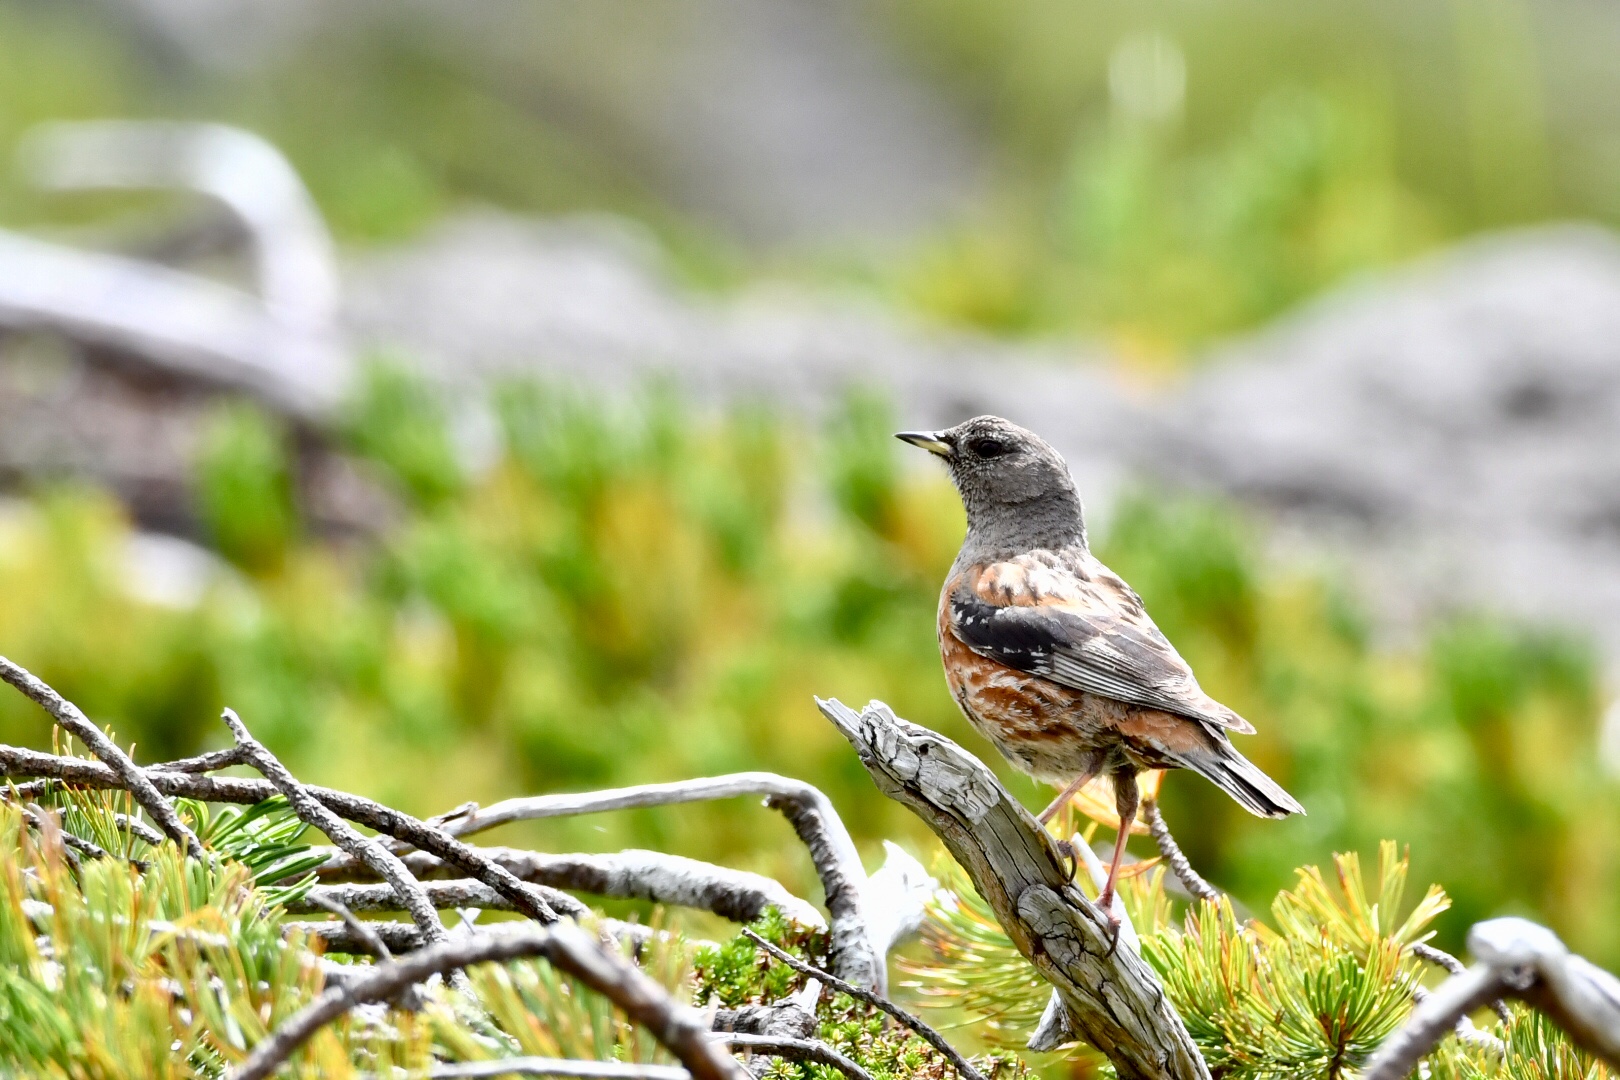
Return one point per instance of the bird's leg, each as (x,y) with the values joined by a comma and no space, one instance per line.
(1068,793)
(1126,799)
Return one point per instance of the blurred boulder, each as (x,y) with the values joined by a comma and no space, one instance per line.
(1454,428)
(1449,430)
(488,296)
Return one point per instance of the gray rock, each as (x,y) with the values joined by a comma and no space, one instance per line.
(1456,424)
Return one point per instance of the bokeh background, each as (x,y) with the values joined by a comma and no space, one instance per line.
(544,444)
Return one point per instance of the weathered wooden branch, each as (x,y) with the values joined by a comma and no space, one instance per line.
(1515,958)
(570,1067)
(282,345)
(1113,999)
(356,926)
(201,763)
(643,875)
(134,780)
(809,811)
(811,1050)
(311,812)
(338,935)
(535,901)
(680,1028)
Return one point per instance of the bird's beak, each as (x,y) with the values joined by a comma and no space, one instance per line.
(928,440)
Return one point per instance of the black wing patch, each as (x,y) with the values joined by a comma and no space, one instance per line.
(1100,654)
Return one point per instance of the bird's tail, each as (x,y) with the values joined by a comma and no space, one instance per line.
(1222,765)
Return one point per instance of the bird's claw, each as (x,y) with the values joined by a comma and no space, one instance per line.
(1066,850)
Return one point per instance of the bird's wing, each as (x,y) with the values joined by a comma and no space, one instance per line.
(1086,632)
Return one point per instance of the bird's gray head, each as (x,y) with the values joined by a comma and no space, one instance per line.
(1016,489)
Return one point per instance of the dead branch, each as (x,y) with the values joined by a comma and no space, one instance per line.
(809,811)
(1516,958)
(75,723)
(463,893)
(644,875)
(537,1066)
(359,928)
(933,1038)
(369,851)
(1112,997)
(811,1050)
(214,759)
(537,902)
(678,1027)
(1442,959)
(398,938)
(1173,854)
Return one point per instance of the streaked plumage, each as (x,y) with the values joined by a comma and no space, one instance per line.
(1051,655)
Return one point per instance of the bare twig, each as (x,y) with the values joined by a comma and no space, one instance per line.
(356,926)
(201,763)
(809,811)
(75,723)
(933,1038)
(461,893)
(811,1050)
(1516,958)
(532,900)
(570,1067)
(310,811)
(1442,959)
(644,875)
(399,938)
(139,829)
(51,833)
(678,1027)
(1111,996)
(1173,854)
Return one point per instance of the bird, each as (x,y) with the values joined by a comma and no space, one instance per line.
(1051,655)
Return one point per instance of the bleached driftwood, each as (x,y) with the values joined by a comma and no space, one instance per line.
(1112,998)
(681,1028)
(809,811)
(1515,958)
(281,345)
(642,875)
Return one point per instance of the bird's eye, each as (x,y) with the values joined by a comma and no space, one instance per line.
(988,448)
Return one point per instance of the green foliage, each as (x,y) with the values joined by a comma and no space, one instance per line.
(1314,998)
(176,968)
(244,488)
(399,423)
(738,972)
(1311,996)
(1289,146)
(1536,1050)
(632,592)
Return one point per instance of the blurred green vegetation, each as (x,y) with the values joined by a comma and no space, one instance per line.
(1158,173)
(637,593)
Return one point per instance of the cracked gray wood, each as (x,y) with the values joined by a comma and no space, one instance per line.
(1112,998)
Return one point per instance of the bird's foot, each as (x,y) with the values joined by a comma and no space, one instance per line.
(1066,850)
